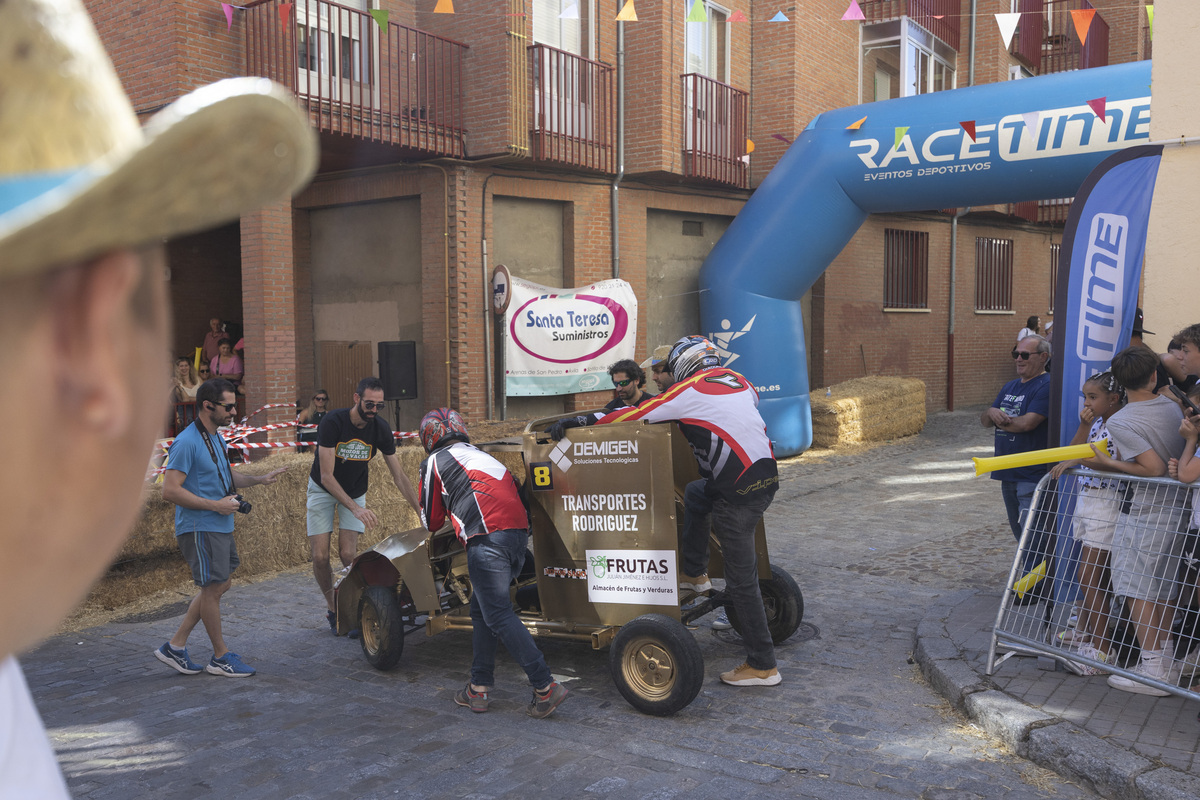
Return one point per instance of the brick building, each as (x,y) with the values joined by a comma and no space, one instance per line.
(454,142)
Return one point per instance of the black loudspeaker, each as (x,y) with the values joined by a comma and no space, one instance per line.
(398,370)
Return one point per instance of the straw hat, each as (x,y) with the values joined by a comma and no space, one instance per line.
(658,356)
(79,177)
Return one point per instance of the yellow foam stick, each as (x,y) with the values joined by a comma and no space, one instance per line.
(1030,580)
(1047,456)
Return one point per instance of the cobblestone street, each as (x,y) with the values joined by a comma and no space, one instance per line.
(872,537)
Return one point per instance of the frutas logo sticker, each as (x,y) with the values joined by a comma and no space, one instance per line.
(633,577)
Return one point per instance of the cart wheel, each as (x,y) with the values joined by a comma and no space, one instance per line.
(656,664)
(382,628)
(783,602)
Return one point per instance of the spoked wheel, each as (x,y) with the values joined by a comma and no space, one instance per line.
(656,664)
(783,603)
(382,627)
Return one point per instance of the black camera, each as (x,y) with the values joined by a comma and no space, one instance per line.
(243,506)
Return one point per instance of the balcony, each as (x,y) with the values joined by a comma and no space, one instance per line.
(1061,50)
(715,125)
(399,88)
(939,17)
(574,113)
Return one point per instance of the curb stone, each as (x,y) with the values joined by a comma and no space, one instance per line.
(1110,770)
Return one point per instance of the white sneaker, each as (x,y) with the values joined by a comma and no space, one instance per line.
(1190,665)
(721,621)
(1088,651)
(1159,665)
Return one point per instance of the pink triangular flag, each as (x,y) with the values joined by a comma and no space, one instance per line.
(737,16)
(1008,25)
(969,127)
(781,138)
(285,15)
(228,9)
(1099,105)
(1032,118)
(1083,20)
(854,12)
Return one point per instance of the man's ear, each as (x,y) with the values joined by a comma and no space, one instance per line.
(92,327)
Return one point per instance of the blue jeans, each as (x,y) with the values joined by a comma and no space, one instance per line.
(734,526)
(493,561)
(1018,498)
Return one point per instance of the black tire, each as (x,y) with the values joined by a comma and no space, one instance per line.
(382,627)
(783,603)
(656,664)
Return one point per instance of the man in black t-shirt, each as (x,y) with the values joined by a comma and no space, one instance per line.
(347,439)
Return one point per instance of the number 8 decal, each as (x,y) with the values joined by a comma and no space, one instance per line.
(541,476)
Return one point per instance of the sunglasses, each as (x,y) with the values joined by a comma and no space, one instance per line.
(322,399)
(226,406)
(1022,355)
(369,406)
(622,384)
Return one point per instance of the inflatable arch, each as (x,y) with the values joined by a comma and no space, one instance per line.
(1033,138)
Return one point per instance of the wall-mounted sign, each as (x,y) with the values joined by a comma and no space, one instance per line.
(561,341)
(501,289)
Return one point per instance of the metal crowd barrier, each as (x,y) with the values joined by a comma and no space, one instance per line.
(1060,588)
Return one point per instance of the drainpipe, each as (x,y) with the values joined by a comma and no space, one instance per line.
(971,70)
(616,204)
(953,283)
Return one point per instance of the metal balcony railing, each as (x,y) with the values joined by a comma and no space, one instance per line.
(715,125)
(574,111)
(1061,49)
(400,86)
(942,18)
(1031,32)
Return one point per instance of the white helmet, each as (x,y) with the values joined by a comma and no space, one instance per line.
(689,355)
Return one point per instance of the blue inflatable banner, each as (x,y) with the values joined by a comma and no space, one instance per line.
(1097,294)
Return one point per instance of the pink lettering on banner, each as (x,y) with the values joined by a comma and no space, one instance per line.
(603,320)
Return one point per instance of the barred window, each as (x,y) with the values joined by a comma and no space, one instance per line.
(993,274)
(905,269)
(1054,250)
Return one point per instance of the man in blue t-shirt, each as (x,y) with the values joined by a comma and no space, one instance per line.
(1019,416)
(203,488)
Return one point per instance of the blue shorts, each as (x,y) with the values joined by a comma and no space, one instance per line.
(321,507)
(212,556)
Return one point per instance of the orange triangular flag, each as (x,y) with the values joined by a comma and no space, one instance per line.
(628,13)
(1083,20)
(853,126)
(1099,105)
(738,16)
(444,7)
(969,127)
(285,15)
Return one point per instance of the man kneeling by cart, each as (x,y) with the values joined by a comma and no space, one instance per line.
(729,440)
(484,505)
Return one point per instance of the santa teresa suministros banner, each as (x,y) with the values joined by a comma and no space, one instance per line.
(561,341)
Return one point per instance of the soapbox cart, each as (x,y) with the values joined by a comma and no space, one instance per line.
(605,509)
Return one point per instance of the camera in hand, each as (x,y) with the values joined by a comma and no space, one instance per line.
(243,506)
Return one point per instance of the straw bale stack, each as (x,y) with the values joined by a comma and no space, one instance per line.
(870,409)
(271,538)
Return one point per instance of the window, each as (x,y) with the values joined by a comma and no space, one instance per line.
(707,43)
(551,28)
(902,59)
(1054,250)
(330,54)
(993,274)
(905,269)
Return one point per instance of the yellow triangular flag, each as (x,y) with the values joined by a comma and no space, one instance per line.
(1150,19)
(853,126)
(628,13)
(444,7)
(697,13)
(900,137)
(749,146)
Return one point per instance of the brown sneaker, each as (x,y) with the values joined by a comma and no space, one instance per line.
(746,675)
(542,705)
(468,698)
(700,583)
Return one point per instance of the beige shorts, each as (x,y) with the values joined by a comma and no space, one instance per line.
(1095,520)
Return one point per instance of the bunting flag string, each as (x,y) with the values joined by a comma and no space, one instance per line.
(444,7)
(1032,119)
(738,16)
(228,9)
(1150,20)
(853,126)
(628,13)
(380,15)
(901,132)
(1099,105)
(1083,21)
(969,127)
(1008,26)
(854,12)
(779,18)
(570,12)
(697,13)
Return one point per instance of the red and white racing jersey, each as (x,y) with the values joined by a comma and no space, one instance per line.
(717,410)
(476,490)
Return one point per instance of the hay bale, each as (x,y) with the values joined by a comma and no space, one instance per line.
(272,537)
(870,409)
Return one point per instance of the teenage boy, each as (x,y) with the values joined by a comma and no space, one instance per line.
(1146,542)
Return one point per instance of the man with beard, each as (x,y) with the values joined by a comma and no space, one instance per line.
(337,486)
(629,382)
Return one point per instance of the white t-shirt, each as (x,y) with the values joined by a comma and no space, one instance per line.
(28,768)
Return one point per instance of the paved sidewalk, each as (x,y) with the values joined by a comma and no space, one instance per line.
(896,549)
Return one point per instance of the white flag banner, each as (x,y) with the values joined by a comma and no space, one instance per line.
(562,341)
